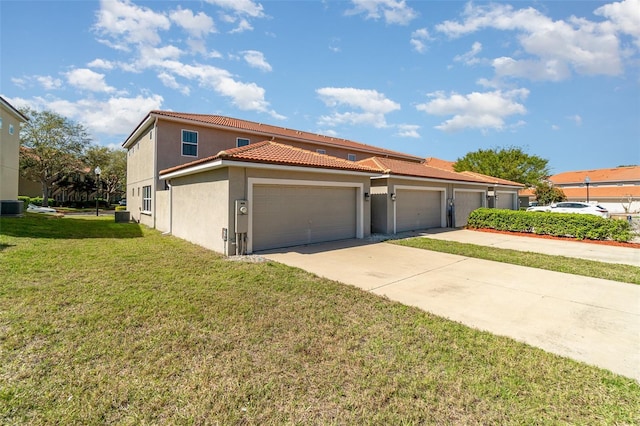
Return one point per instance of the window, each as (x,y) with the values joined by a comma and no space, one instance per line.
(321,151)
(242,142)
(351,157)
(0,122)
(189,143)
(146,198)
(10,129)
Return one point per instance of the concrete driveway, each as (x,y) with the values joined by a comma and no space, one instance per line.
(587,319)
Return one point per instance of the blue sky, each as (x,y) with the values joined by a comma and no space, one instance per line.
(560,79)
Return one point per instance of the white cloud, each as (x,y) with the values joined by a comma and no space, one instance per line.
(408,131)
(470,57)
(126,24)
(483,111)
(555,48)
(241,7)
(625,16)
(576,119)
(393,11)
(242,26)
(197,26)
(85,79)
(373,106)
(256,59)
(555,127)
(48,82)
(419,39)
(115,116)
(102,64)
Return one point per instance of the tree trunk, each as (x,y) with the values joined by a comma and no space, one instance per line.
(45,194)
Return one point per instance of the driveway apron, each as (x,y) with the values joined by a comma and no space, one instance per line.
(591,320)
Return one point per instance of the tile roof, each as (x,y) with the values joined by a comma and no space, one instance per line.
(269,152)
(439,163)
(617,174)
(406,168)
(269,130)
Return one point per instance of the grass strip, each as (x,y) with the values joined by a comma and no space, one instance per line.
(570,265)
(104,323)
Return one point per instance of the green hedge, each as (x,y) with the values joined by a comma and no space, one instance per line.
(580,226)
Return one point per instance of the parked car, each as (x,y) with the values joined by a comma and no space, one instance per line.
(123,202)
(38,209)
(572,207)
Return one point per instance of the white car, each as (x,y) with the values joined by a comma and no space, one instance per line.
(572,207)
(37,209)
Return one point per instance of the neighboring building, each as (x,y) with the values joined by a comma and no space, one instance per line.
(616,189)
(10,121)
(236,186)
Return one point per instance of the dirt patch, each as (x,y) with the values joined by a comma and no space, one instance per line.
(550,237)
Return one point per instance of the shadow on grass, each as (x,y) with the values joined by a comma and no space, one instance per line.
(43,226)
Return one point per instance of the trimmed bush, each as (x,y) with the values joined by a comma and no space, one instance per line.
(580,226)
(38,201)
(26,200)
(121,208)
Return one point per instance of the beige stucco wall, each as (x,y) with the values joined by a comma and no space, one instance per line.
(140,173)
(9,154)
(200,208)
(212,141)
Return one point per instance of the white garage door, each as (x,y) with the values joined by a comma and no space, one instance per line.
(291,215)
(465,202)
(418,210)
(505,200)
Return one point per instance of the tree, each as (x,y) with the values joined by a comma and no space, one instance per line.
(53,147)
(509,163)
(113,165)
(546,193)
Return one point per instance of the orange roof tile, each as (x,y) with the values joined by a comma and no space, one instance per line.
(439,163)
(270,152)
(598,175)
(406,168)
(267,129)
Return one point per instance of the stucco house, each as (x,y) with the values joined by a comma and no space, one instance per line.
(236,186)
(617,189)
(10,122)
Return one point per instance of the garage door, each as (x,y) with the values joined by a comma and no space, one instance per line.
(290,215)
(465,203)
(505,200)
(418,210)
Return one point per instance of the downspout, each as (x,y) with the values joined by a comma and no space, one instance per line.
(170,231)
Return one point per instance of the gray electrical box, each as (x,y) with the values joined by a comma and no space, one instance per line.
(242,216)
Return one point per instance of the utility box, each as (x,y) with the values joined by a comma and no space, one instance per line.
(242,216)
(122,217)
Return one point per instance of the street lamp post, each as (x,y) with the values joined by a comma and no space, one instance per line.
(97,171)
(587,181)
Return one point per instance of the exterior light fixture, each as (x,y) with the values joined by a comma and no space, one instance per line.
(367,196)
(393,196)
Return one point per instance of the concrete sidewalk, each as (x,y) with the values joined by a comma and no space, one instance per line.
(591,320)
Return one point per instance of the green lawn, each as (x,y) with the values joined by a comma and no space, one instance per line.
(105,323)
(587,268)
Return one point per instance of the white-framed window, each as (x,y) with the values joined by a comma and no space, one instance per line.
(0,122)
(146,198)
(351,157)
(242,142)
(321,151)
(189,143)
(10,129)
